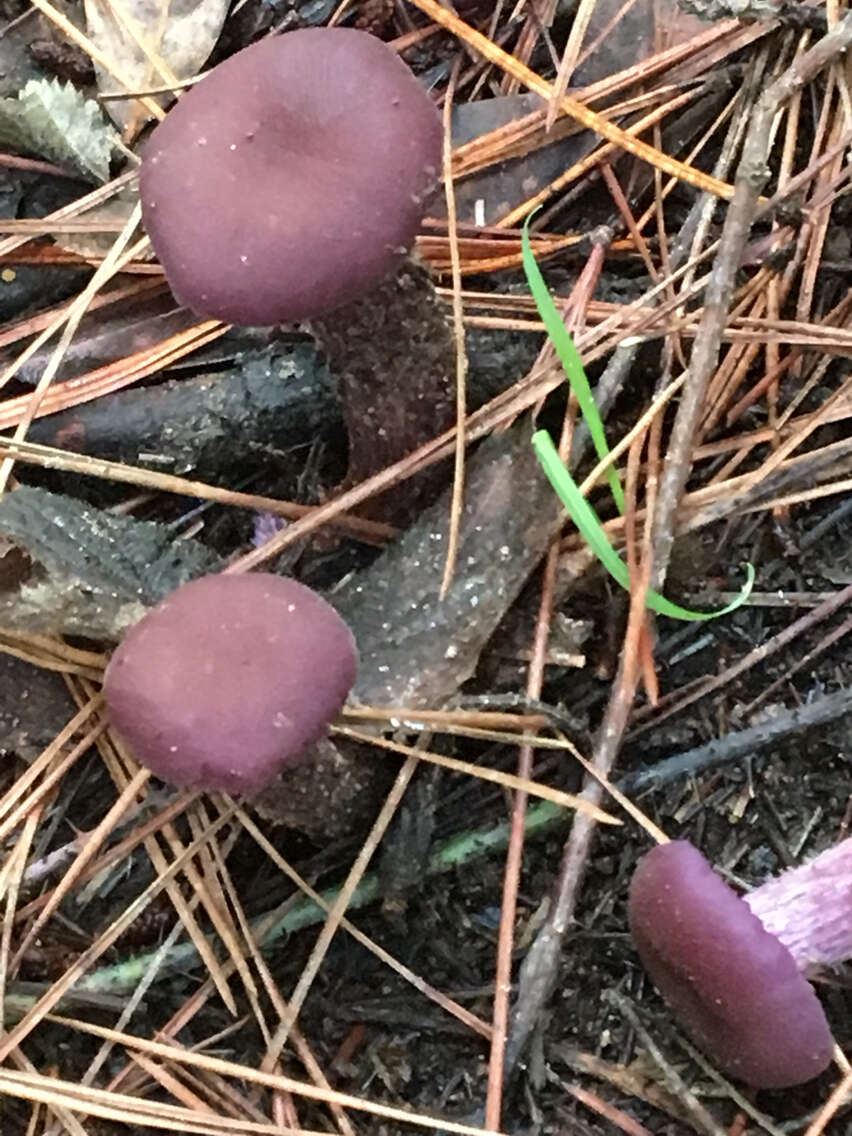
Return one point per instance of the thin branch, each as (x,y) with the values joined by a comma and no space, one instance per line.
(752,174)
(741,743)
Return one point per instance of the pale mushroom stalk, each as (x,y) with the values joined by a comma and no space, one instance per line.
(809,908)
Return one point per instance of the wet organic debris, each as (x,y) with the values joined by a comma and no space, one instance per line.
(252,403)
(778,802)
(243,420)
(69,569)
(417,649)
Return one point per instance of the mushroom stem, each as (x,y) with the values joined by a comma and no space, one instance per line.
(809,908)
(393,355)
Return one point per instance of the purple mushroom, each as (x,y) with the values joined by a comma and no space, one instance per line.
(288,185)
(229,679)
(733,969)
(292,178)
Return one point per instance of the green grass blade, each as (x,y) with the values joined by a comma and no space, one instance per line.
(590,528)
(570,359)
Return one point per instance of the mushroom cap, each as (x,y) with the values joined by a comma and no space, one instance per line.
(226,681)
(292,178)
(734,986)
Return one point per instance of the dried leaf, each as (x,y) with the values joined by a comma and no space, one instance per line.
(487,195)
(417,649)
(111,214)
(177,33)
(67,568)
(54,121)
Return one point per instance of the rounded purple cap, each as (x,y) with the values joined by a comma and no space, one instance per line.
(292,178)
(227,680)
(734,987)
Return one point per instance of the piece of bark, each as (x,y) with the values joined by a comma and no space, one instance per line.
(69,569)
(272,400)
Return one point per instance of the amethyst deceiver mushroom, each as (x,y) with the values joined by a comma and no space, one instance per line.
(292,178)
(228,680)
(733,969)
(288,185)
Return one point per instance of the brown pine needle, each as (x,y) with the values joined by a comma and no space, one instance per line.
(483,773)
(457,502)
(582,114)
(274,1081)
(451,1007)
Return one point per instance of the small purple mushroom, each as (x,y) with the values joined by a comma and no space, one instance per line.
(733,969)
(292,178)
(288,186)
(229,679)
